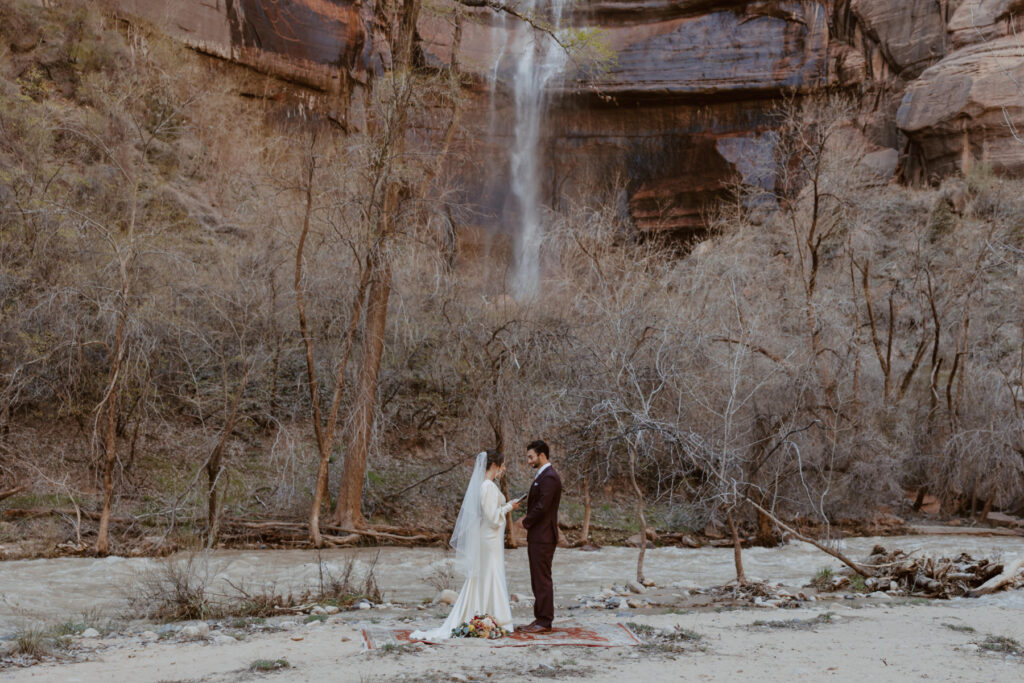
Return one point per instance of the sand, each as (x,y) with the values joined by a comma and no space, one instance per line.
(871,640)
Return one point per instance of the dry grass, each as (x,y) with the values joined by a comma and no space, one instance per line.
(181,589)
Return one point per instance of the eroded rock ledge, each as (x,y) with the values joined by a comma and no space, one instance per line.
(683,111)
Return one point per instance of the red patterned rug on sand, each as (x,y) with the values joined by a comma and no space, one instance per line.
(598,635)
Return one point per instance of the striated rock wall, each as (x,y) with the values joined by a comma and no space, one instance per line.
(684,109)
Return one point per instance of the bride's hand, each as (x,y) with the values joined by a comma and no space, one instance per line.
(515,504)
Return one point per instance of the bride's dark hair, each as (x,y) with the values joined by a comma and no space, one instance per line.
(495,458)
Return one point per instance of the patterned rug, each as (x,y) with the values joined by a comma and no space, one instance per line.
(597,635)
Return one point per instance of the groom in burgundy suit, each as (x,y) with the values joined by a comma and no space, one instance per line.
(541,523)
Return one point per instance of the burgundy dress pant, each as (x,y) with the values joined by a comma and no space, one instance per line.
(541,555)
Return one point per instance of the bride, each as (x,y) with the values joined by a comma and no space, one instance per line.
(479,542)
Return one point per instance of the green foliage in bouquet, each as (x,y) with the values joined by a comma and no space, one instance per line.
(480,626)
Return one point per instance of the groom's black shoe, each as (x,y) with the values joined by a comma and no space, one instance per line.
(535,628)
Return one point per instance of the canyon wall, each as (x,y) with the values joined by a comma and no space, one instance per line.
(684,108)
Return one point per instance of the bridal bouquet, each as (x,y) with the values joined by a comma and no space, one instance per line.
(480,626)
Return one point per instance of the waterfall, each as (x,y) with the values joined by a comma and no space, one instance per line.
(539,59)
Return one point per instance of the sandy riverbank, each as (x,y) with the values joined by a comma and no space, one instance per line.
(866,639)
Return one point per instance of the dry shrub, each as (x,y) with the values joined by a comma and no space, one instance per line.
(176,589)
(182,588)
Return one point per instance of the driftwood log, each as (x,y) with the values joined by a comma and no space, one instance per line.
(31,513)
(293,531)
(941,577)
(12,492)
(1009,575)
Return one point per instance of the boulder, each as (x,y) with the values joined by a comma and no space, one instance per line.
(634,542)
(1003,519)
(963,109)
(881,163)
(195,631)
(446,597)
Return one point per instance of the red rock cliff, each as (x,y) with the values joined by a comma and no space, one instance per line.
(683,110)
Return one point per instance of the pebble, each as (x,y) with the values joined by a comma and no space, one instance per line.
(448,597)
(879,595)
(318,610)
(149,635)
(287,625)
(636,587)
(331,609)
(224,639)
(90,633)
(364,605)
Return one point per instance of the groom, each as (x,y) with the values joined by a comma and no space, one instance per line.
(541,523)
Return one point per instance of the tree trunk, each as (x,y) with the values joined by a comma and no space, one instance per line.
(348,512)
(767,536)
(737,551)
(987,509)
(640,515)
(587,508)
(307,339)
(110,443)
(213,463)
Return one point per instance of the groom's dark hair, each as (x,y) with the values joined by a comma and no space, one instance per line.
(495,458)
(538,447)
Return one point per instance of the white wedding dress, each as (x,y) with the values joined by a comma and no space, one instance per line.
(479,542)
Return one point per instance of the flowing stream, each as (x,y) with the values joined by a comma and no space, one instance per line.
(55,590)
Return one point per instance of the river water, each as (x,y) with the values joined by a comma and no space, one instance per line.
(58,589)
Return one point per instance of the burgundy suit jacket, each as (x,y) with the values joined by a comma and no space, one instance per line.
(541,520)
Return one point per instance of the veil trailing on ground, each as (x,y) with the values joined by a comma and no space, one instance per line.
(466,536)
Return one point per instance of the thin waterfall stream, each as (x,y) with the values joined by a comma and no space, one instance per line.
(539,60)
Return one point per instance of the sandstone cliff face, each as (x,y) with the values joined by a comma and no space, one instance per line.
(684,109)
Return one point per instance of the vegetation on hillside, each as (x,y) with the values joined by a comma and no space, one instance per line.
(836,340)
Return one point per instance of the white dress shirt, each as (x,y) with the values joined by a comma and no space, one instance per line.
(541,469)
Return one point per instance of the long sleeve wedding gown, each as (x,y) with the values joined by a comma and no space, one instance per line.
(485,590)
